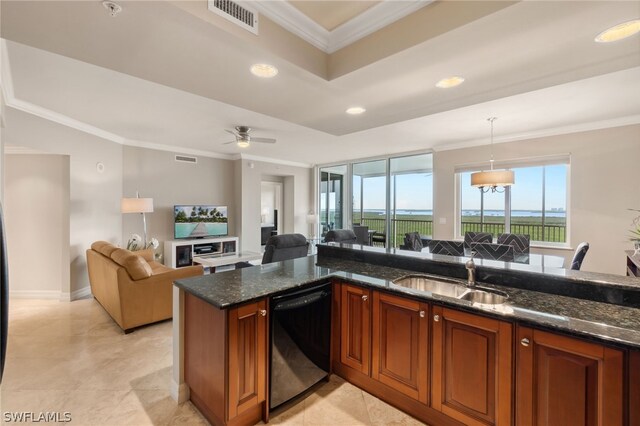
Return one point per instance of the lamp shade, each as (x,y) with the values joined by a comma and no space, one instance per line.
(312,219)
(137,205)
(493,178)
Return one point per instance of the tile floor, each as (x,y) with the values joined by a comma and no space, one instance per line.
(71,357)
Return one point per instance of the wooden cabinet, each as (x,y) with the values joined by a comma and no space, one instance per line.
(562,380)
(355,327)
(400,348)
(471,367)
(247,357)
(226,360)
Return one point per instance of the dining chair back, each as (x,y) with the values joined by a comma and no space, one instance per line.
(412,241)
(340,236)
(449,248)
(521,243)
(477,237)
(578,256)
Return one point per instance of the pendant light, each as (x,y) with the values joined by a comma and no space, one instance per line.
(492,179)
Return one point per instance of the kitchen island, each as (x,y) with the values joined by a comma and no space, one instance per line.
(442,359)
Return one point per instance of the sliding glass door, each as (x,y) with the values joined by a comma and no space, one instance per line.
(332,198)
(370,198)
(411,189)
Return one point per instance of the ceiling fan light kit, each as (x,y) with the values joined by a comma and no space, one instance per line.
(491,180)
(243,137)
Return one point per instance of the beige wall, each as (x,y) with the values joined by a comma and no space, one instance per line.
(37,223)
(296,197)
(157,175)
(603,185)
(94,210)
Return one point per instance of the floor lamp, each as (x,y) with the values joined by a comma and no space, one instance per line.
(312,220)
(138,205)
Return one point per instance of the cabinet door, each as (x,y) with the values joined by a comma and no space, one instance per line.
(566,381)
(247,357)
(471,370)
(355,323)
(399,348)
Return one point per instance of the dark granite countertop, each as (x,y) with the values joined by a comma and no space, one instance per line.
(603,321)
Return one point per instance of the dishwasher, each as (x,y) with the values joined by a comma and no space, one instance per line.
(300,342)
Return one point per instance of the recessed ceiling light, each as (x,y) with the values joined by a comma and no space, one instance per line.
(264,70)
(355,110)
(448,82)
(620,31)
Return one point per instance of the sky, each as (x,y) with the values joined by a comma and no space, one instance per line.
(414,191)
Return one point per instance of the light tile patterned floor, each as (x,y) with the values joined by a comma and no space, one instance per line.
(71,357)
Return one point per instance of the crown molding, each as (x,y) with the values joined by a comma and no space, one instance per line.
(252,157)
(294,21)
(369,21)
(556,131)
(372,20)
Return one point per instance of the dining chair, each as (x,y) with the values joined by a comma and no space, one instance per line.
(521,243)
(501,252)
(340,236)
(379,237)
(578,256)
(412,241)
(446,247)
(362,234)
(477,237)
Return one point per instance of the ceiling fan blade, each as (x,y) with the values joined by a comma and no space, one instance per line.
(232,132)
(227,143)
(263,140)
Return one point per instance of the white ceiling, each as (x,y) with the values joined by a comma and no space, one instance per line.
(534,66)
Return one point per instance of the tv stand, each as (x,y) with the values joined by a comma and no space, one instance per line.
(180,253)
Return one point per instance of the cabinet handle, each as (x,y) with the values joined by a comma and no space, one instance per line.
(524,342)
(365,297)
(422,314)
(263,312)
(436,318)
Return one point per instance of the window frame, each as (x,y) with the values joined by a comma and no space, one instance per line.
(559,160)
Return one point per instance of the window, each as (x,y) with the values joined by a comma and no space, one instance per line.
(535,205)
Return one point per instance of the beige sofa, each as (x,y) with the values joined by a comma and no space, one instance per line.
(133,288)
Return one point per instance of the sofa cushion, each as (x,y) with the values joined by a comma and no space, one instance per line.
(136,266)
(104,247)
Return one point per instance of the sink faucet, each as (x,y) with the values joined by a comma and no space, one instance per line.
(471,269)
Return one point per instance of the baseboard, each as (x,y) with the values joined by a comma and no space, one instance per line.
(81,293)
(35,294)
(179,392)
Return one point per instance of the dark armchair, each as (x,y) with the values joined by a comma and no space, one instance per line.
(341,236)
(285,247)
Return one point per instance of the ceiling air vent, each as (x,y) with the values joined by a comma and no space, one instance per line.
(186,159)
(242,16)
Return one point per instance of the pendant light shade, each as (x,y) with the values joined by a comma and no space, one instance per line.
(492,179)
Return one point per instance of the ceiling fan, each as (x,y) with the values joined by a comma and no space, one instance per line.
(244,139)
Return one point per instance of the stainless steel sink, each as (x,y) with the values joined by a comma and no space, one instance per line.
(451,288)
(484,297)
(438,286)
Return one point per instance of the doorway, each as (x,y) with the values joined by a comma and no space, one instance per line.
(271,208)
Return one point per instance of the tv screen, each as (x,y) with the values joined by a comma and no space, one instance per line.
(200,221)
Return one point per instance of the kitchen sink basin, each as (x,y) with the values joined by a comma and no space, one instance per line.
(437,286)
(484,297)
(451,288)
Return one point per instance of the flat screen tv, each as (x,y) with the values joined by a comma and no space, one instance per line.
(200,221)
